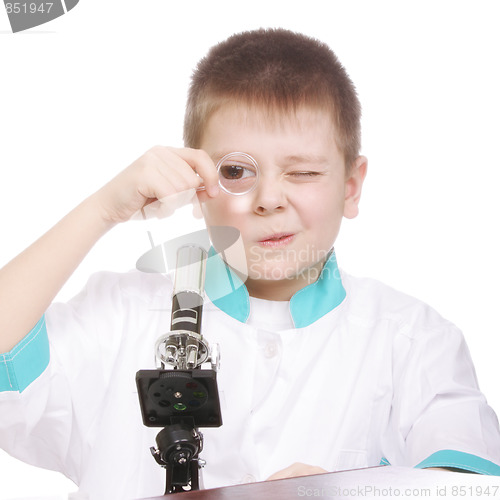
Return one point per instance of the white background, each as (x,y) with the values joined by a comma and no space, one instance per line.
(83,96)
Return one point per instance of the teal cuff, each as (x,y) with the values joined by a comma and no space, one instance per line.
(26,361)
(460,460)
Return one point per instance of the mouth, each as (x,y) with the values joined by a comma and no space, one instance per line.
(277,240)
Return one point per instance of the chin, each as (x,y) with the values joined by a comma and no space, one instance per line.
(275,273)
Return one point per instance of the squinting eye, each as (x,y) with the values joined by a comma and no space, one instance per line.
(305,174)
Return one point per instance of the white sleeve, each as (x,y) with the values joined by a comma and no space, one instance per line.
(47,406)
(439,414)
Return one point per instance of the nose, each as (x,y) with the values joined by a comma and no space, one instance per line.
(269,195)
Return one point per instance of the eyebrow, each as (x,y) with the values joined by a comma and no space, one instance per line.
(309,159)
(287,160)
(220,154)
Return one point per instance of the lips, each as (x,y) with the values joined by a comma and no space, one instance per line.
(277,240)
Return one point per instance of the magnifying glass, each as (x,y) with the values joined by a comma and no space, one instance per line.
(238,173)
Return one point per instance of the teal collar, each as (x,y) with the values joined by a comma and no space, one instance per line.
(228,292)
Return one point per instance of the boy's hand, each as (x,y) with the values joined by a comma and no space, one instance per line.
(49,262)
(295,470)
(158,174)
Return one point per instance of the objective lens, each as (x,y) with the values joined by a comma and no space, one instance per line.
(238,173)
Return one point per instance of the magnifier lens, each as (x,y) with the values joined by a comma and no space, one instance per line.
(238,173)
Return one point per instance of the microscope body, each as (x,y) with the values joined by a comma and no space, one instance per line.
(180,395)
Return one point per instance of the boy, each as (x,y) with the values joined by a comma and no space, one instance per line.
(320,371)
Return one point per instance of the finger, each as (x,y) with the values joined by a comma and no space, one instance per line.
(164,207)
(179,175)
(157,179)
(203,165)
(296,470)
(282,474)
(176,171)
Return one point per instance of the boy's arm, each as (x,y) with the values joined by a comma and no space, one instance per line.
(29,283)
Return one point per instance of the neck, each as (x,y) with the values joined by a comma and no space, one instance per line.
(280,290)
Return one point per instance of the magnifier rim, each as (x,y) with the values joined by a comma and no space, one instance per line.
(248,157)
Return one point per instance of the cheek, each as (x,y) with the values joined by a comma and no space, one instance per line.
(320,209)
(225,210)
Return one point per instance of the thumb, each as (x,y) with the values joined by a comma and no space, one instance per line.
(166,206)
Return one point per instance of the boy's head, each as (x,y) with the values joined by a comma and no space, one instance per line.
(280,71)
(284,100)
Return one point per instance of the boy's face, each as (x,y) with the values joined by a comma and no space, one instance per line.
(290,221)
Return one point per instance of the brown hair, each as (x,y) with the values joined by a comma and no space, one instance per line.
(280,70)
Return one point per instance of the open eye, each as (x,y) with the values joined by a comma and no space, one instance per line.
(238,173)
(231,170)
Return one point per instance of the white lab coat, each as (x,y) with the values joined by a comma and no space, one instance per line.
(379,378)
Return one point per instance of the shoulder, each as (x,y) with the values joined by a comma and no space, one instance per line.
(109,302)
(105,287)
(370,300)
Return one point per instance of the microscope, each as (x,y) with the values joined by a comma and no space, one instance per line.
(181,395)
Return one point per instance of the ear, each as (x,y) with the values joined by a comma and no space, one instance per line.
(353,185)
